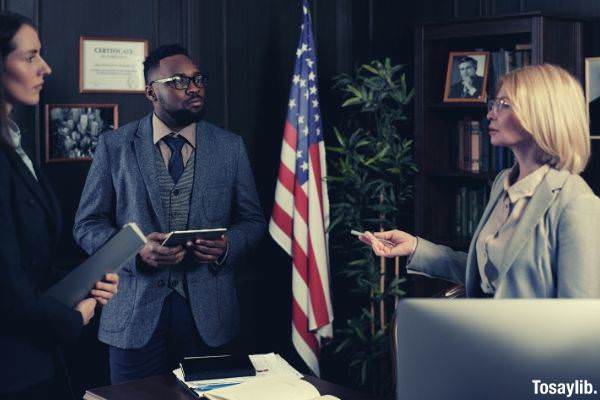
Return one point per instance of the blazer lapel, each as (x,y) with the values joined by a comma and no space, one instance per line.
(533,213)
(205,171)
(56,214)
(144,152)
(472,272)
(33,185)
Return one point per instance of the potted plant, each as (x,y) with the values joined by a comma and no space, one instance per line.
(370,173)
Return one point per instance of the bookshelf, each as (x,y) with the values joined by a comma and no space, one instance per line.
(443,183)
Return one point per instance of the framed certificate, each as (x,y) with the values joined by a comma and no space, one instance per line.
(111,65)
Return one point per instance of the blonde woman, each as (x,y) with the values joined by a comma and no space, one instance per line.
(539,235)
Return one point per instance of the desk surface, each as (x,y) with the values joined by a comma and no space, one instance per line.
(166,387)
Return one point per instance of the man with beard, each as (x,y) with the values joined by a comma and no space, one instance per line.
(170,171)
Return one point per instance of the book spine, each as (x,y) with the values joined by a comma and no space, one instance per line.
(485,146)
(457,216)
(475,147)
(472,211)
(467,144)
(461,146)
(463,211)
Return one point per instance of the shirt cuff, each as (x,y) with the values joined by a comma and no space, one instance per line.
(409,259)
(221,260)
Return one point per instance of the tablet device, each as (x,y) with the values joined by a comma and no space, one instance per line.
(176,238)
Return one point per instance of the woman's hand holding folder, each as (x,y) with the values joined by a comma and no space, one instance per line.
(86,307)
(105,289)
(102,292)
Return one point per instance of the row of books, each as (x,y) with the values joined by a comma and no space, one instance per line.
(475,152)
(470,203)
(503,61)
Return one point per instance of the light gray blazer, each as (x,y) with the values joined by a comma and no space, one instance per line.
(555,250)
(122,186)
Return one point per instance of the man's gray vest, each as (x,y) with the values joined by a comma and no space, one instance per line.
(175,200)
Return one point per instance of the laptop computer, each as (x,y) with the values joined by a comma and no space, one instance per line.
(497,349)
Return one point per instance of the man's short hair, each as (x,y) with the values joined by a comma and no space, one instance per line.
(467,59)
(153,60)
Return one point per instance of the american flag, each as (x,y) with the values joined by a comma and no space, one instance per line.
(301,211)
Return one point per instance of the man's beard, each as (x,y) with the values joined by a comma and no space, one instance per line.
(183,116)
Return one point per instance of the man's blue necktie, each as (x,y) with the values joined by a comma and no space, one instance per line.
(175,143)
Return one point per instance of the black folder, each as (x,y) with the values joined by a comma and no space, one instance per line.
(216,367)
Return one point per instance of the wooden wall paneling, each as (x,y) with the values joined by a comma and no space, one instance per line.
(435,9)
(500,7)
(468,8)
(171,22)
(344,35)
(582,8)
(362,31)
(208,41)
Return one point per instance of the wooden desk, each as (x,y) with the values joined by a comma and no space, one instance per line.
(166,387)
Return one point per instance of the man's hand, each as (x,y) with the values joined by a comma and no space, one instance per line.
(469,85)
(208,250)
(157,255)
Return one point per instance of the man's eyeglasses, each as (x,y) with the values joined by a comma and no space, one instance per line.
(498,105)
(182,82)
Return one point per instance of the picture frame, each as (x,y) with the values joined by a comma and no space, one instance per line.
(73,130)
(592,94)
(466,77)
(111,65)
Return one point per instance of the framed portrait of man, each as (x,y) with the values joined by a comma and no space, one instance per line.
(592,94)
(466,77)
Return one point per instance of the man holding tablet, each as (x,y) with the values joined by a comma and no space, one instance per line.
(171,171)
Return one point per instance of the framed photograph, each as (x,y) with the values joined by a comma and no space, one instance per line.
(72,130)
(466,77)
(111,65)
(592,94)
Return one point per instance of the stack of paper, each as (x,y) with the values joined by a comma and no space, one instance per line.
(266,365)
(269,388)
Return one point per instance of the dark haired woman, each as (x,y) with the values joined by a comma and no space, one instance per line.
(33,325)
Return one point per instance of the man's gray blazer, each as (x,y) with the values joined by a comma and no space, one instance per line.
(554,252)
(122,187)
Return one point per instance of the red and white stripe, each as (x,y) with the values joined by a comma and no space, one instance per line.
(299,225)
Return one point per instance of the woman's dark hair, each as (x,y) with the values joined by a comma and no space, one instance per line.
(10,23)
(4,136)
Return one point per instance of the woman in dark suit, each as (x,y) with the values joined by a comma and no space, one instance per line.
(33,324)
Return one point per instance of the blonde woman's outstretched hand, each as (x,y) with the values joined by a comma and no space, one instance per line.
(390,244)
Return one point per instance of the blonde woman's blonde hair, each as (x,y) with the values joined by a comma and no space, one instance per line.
(549,103)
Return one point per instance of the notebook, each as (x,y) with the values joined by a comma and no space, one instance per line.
(216,367)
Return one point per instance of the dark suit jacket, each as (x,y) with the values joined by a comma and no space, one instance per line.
(33,324)
(122,186)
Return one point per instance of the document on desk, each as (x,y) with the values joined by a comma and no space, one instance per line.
(272,364)
(271,388)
